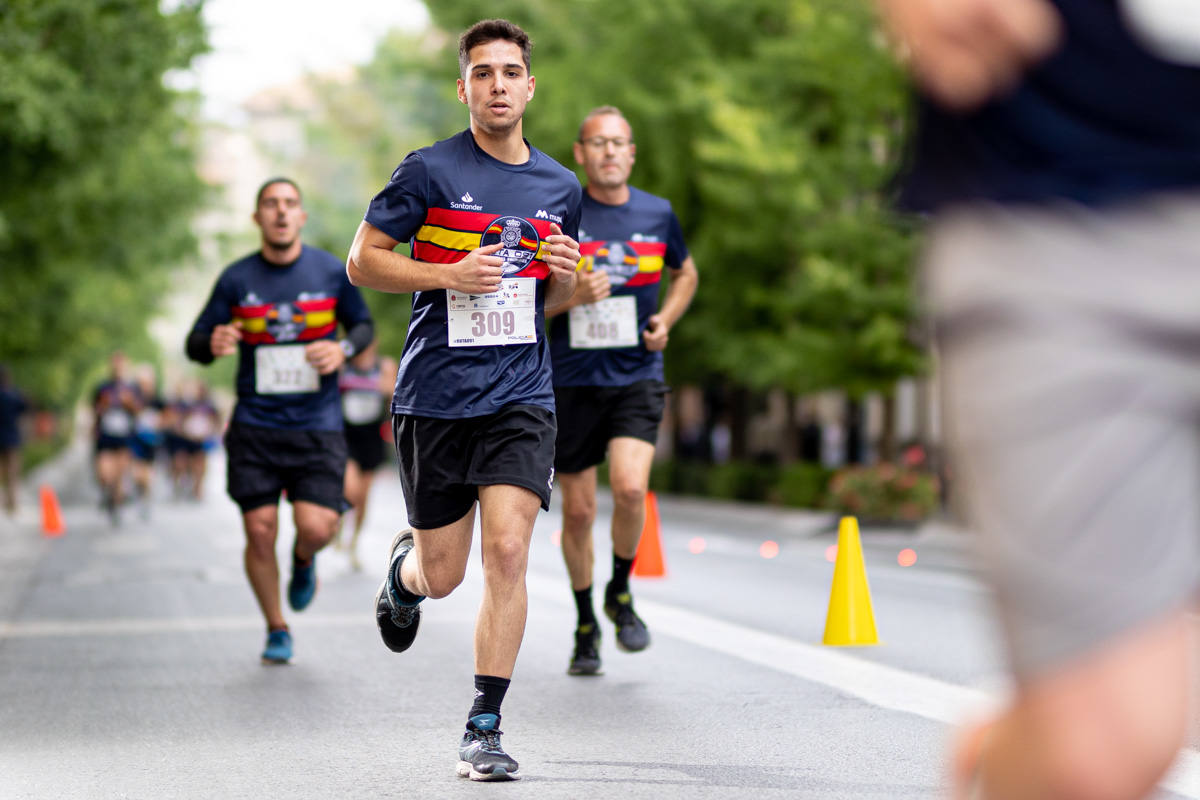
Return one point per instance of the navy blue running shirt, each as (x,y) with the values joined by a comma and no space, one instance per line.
(1101,120)
(447,200)
(631,242)
(281,308)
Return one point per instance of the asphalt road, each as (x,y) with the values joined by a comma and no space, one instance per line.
(131,669)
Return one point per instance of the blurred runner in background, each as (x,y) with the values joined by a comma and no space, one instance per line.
(278,311)
(116,403)
(606,343)
(12,407)
(366,384)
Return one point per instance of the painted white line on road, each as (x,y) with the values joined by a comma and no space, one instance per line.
(125,627)
(878,684)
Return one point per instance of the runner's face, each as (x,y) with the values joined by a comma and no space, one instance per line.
(606,151)
(497,86)
(280,215)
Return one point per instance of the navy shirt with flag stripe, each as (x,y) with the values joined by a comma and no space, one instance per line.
(632,242)
(444,200)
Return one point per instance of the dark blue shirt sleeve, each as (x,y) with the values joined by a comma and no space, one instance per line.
(677,251)
(218,311)
(399,208)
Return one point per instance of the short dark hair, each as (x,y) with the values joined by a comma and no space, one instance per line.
(489,30)
(271,182)
(601,111)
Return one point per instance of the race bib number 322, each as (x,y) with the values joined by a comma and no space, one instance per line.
(506,316)
(282,369)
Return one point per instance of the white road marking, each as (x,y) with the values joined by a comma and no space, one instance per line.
(878,684)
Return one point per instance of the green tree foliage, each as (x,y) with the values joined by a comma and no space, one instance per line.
(772,127)
(99,184)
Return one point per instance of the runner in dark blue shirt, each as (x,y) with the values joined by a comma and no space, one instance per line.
(491,222)
(1059,144)
(116,403)
(606,344)
(12,407)
(279,310)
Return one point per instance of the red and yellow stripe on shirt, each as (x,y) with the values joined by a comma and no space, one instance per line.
(648,256)
(448,235)
(319,318)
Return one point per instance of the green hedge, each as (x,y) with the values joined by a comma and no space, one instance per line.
(882,492)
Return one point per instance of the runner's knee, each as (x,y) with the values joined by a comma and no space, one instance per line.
(629,496)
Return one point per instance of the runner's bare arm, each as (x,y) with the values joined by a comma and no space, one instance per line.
(590,287)
(374,264)
(679,296)
(966,51)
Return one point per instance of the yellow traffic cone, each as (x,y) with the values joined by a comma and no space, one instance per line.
(850,620)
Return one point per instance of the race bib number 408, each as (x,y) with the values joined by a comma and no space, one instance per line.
(282,369)
(611,322)
(506,316)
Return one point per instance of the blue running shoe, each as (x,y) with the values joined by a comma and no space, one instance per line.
(480,757)
(303,584)
(278,649)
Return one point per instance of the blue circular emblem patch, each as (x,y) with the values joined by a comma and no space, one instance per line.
(618,259)
(520,242)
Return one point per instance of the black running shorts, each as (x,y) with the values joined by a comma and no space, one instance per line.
(590,416)
(310,465)
(443,462)
(365,446)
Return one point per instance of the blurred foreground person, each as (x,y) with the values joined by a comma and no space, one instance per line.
(278,310)
(366,384)
(1059,147)
(12,406)
(606,346)
(116,403)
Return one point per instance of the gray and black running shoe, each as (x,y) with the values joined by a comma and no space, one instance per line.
(480,757)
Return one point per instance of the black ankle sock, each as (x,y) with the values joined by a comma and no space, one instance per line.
(489,694)
(620,578)
(404,595)
(583,605)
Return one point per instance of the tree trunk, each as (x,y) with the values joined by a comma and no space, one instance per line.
(887,437)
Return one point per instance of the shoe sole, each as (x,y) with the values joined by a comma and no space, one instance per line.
(585,673)
(466,770)
(625,649)
(612,617)
(276,662)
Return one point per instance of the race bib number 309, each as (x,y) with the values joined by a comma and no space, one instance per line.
(506,316)
(282,369)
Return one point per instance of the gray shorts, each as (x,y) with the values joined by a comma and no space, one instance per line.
(1068,343)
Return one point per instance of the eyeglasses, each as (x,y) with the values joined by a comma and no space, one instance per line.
(600,142)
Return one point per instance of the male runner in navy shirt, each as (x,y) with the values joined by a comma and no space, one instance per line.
(492,223)
(606,345)
(278,309)
(1059,146)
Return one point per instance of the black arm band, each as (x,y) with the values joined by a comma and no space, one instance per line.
(360,336)
(199,346)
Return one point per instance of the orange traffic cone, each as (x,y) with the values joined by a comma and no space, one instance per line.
(52,521)
(850,620)
(648,561)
